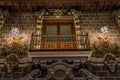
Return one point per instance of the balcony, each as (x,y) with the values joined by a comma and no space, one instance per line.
(60,47)
(59,42)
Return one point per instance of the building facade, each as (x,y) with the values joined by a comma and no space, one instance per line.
(59,43)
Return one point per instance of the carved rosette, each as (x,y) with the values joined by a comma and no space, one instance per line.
(33,75)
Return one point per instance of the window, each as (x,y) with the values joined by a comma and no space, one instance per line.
(59,34)
(58,31)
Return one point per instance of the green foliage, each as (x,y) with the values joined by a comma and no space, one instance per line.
(14,47)
(103,46)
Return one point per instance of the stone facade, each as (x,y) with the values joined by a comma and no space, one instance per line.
(100,71)
(25,22)
(90,22)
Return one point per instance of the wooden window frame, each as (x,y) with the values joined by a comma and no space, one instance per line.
(58,23)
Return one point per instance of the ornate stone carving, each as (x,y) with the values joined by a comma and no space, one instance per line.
(59,71)
(110,61)
(88,75)
(11,62)
(60,74)
(33,75)
(116,16)
(3,16)
(57,13)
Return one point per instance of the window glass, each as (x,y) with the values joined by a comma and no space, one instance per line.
(51,30)
(65,32)
(50,33)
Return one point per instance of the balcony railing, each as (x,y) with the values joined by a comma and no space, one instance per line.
(59,42)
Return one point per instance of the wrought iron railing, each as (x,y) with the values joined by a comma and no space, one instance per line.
(59,42)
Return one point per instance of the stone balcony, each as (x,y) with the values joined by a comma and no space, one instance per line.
(46,47)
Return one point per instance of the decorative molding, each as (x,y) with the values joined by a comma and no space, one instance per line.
(58,54)
(3,16)
(110,61)
(32,75)
(116,16)
(88,75)
(55,12)
(59,70)
(100,61)
(11,62)
(61,14)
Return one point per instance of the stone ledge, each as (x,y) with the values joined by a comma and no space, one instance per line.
(99,61)
(61,54)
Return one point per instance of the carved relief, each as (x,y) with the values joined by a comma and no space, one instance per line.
(116,16)
(11,62)
(88,75)
(3,16)
(59,74)
(59,71)
(110,61)
(33,75)
(57,12)
(60,12)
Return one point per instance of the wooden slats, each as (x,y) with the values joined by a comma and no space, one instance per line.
(83,5)
(57,46)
